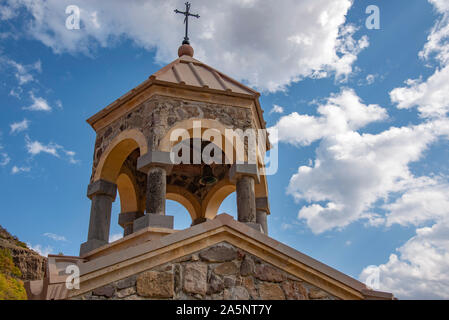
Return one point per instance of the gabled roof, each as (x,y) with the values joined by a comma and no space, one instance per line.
(191,72)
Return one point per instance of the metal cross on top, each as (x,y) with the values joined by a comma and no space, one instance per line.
(186,21)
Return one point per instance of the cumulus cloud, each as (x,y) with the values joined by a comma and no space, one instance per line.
(420,268)
(237,37)
(19,126)
(341,113)
(39,104)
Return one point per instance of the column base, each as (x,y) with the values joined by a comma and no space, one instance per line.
(91,245)
(153,220)
(255,226)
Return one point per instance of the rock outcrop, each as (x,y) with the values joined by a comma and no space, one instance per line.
(30,263)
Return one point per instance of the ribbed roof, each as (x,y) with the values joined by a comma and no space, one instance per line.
(191,72)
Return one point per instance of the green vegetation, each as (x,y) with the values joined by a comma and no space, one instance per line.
(11,288)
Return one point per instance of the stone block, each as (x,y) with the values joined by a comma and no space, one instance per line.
(102,187)
(126,283)
(215,284)
(219,253)
(226,269)
(236,293)
(247,267)
(106,291)
(265,272)
(271,291)
(317,294)
(153,284)
(154,158)
(153,220)
(126,292)
(244,169)
(294,290)
(195,278)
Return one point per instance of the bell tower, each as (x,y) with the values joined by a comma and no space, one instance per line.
(151,145)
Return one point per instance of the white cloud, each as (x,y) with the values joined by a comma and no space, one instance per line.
(277,109)
(341,113)
(19,126)
(430,97)
(39,104)
(16,170)
(36,147)
(43,251)
(237,37)
(55,237)
(23,73)
(427,201)
(115,237)
(420,270)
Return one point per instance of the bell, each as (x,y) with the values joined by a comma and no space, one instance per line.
(207,178)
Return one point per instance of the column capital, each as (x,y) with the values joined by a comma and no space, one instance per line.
(102,187)
(154,159)
(244,169)
(263,204)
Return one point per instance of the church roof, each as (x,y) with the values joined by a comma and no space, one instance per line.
(191,72)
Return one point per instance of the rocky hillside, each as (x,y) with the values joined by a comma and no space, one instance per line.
(18,263)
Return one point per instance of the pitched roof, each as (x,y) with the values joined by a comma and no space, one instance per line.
(191,72)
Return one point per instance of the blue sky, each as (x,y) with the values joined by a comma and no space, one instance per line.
(361,118)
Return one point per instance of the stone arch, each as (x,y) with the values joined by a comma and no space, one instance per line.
(167,145)
(215,198)
(127,189)
(186,199)
(116,153)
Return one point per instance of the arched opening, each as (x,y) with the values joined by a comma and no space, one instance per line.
(228,206)
(182,219)
(116,153)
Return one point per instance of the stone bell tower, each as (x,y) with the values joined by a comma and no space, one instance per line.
(184,109)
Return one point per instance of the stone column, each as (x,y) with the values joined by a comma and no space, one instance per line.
(262,210)
(246,200)
(156,164)
(102,193)
(156,190)
(126,221)
(245,177)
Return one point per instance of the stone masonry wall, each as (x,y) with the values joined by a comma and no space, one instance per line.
(218,272)
(156,116)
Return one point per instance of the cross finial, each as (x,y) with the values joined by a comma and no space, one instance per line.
(186,21)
